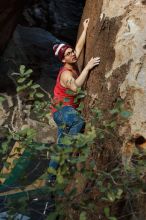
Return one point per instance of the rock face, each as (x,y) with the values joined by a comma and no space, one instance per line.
(15,119)
(117,34)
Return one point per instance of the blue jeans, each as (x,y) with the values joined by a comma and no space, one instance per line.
(69,121)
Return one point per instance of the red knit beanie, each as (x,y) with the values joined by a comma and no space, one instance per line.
(59,50)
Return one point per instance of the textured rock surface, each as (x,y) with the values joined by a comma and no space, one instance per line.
(117,34)
(15,119)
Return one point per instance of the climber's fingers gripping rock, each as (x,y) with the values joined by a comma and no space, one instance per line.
(94,61)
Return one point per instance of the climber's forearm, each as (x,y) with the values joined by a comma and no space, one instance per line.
(81,42)
(81,79)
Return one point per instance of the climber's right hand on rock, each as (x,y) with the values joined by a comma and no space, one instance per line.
(94,61)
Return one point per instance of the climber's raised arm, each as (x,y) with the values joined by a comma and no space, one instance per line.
(81,42)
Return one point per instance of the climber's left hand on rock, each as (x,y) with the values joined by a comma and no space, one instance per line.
(86,23)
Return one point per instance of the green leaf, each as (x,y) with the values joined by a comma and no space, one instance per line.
(92,206)
(111,196)
(79,90)
(102,189)
(51,170)
(113,124)
(80,96)
(73,192)
(107,211)
(114,111)
(60,179)
(66,141)
(92,164)
(29,83)
(76,100)
(112,218)
(31,94)
(35,86)
(30,131)
(52,216)
(83,216)
(4,147)
(107,214)
(7,164)
(20,88)
(97,112)
(2,99)
(119,193)
(81,106)
(69,92)
(28,72)
(39,95)
(22,69)
(41,147)
(21,80)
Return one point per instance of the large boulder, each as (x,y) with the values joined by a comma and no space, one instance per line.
(117,34)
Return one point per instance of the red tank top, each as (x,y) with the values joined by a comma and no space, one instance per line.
(61,95)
